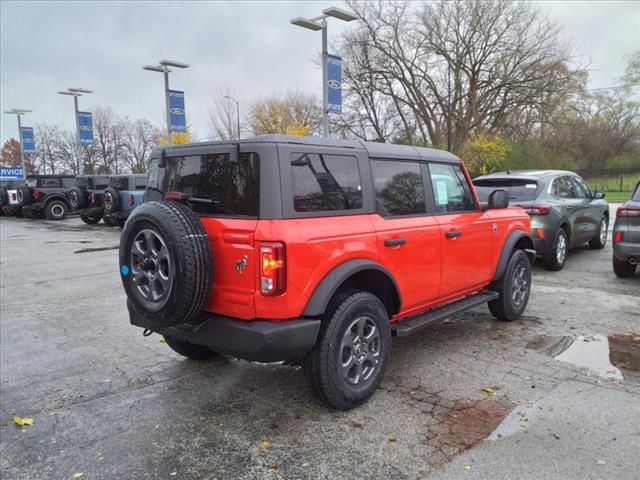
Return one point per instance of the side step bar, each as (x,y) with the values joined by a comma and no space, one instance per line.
(410,325)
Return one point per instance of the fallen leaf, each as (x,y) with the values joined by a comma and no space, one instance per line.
(157,426)
(173,474)
(393,440)
(274,426)
(265,445)
(467,467)
(162,340)
(22,421)
(273,465)
(356,424)
(78,475)
(601,462)
(488,390)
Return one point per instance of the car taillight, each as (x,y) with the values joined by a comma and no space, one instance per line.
(14,197)
(130,199)
(272,268)
(93,198)
(536,209)
(36,194)
(177,196)
(617,237)
(626,210)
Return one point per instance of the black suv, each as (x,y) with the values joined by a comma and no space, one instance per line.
(45,195)
(125,192)
(86,197)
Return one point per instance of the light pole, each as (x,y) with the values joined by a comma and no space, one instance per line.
(75,93)
(320,23)
(163,67)
(228,97)
(18,112)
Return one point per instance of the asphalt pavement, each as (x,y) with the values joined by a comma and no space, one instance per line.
(474,398)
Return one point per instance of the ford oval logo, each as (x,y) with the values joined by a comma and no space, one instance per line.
(334,84)
(85,128)
(176,111)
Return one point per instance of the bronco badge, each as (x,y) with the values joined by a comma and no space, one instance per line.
(241,264)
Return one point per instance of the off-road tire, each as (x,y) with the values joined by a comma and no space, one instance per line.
(114,203)
(623,269)
(90,219)
(598,242)
(25,197)
(550,258)
(504,307)
(189,350)
(321,365)
(190,263)
(56,210)
(77,198)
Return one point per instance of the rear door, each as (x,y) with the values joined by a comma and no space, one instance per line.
(465,230)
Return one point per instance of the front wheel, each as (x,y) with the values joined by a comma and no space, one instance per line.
(90,219)
(347,363)
(513,288)
(189,350)
(600,240)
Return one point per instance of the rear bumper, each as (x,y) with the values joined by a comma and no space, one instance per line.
(11,209)
(623,251)
(255,340)
(120,214)
(91,211)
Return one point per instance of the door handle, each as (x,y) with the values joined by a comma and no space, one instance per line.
(394,242)
(453,234)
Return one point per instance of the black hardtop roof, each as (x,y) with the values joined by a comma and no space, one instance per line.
(48,176)
(524,174)
(375,149)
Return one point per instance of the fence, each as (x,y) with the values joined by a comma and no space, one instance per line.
(611,179)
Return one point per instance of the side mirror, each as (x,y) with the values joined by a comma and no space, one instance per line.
(499,199)
(598,195)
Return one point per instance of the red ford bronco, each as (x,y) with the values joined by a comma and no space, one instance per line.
(318,251)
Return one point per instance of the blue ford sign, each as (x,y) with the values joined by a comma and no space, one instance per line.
(11,172)
(177,119)
(28,140)
(334,84)
(85,124)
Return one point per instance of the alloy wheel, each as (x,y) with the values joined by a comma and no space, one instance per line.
(360,350)
(151,268)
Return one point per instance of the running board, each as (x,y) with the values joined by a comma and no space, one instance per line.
(410,325)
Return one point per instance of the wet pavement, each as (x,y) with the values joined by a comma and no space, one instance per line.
(553,395)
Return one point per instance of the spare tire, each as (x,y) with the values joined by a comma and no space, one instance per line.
(166,264)
(4,197)
(77,199)
(111,201)
(25,197)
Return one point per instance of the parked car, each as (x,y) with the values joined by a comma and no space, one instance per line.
(318,251)
(45,196)
(124,193)
(564,212)
(86,197)
(9,204)
(626,236)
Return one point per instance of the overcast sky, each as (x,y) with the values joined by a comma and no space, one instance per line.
(249,47)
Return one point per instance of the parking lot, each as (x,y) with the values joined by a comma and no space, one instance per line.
(472,398)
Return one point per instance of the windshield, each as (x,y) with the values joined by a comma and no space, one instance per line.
(521,190)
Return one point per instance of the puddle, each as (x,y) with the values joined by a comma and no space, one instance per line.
(602,355)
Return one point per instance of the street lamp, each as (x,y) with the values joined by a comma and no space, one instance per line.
(18,112)
(163,67)
(320,23)
(75,93)
(228,97)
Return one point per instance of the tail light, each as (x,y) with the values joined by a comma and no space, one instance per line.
(130,199)
(272,268)
(93,198)
(626,210)
(177,196)
(14,197)
(36,194)
(536,209)
(617,237)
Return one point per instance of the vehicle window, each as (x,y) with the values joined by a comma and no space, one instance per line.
(582,189)
(31,182)
(636,195)
(49,182)
(325,182)
(451,189)
(100,183)
(140,182)
(563,187)
(215,184)
(521,190)
(399,188)
(68,182)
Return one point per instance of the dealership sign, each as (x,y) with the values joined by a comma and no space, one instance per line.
(177,118)
(11,172)
(85,126)
(28,140)
(334,84)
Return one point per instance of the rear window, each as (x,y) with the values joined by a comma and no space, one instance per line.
(520,190)
(215,185)
(324,183)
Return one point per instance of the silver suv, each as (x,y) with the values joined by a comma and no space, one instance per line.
(626,236)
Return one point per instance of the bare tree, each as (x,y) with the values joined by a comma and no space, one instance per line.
(279,113)
(139,139)
(223,116)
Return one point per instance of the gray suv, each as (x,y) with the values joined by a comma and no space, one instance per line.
(564,212)
(626,236)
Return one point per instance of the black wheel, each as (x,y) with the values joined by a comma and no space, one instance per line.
(4,197)
(111,201)
(514,288)
(77,198)
(600,240)
(166,263)
(25,197)
(56,210)
(189,350)
(623,269)
(347,363)
(90,219)
(556,256)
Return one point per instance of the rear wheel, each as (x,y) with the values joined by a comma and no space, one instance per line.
(189,350)
(600,240)
(56,210)
(347,363)
(90,219)
(556,256)
(623,269)
(513,288)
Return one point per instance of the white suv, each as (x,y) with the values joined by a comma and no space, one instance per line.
(9,197)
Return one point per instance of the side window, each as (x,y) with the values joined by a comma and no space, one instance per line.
(582,189)
(399,188)
(68,182)
(563,187)
(324,183)
(50,182)
(140,183)
(451,190)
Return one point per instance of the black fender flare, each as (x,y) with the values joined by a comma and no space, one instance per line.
(508,247)
(324,291)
